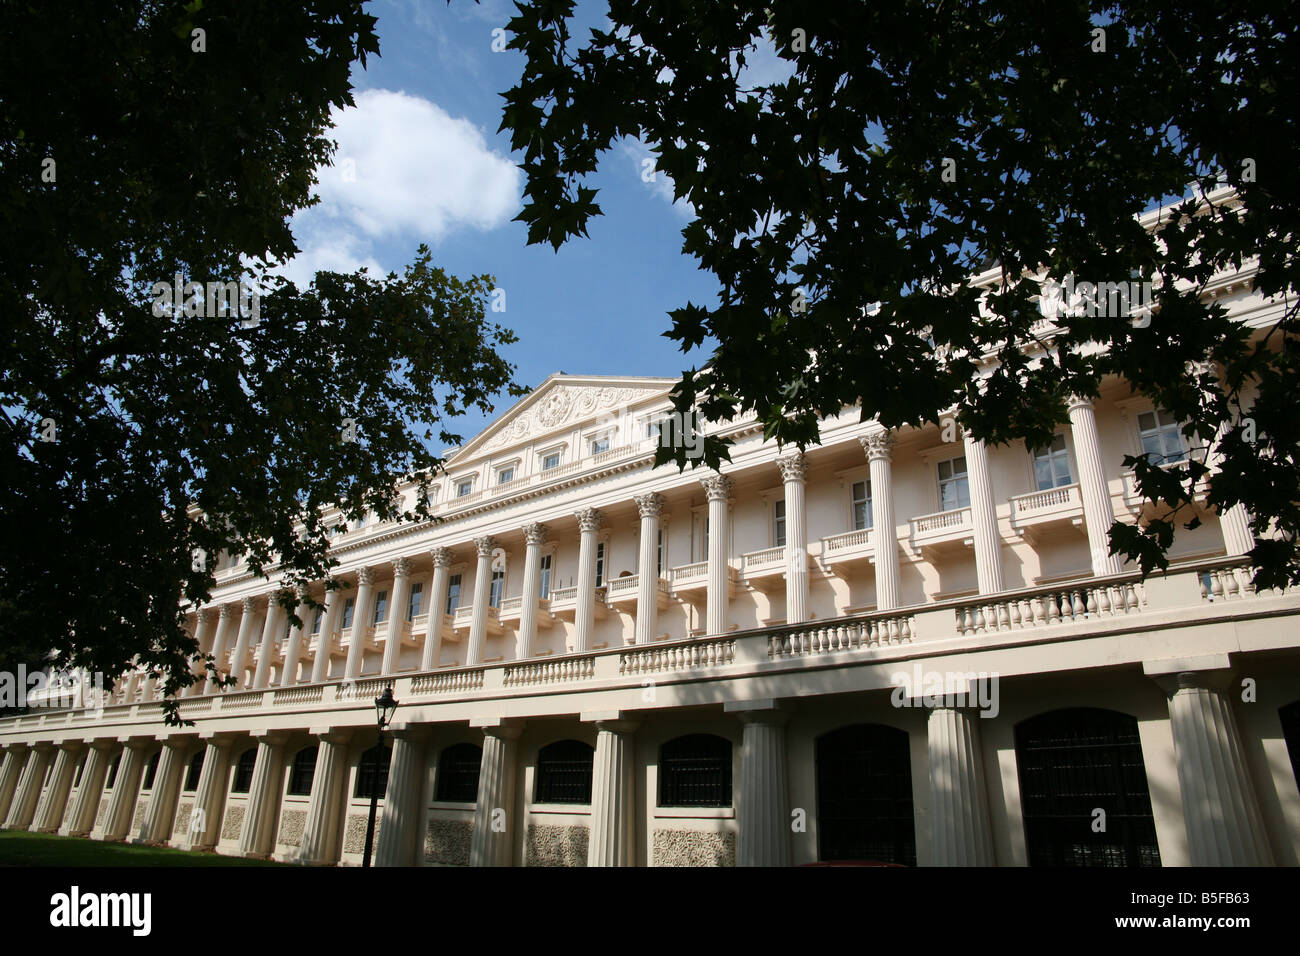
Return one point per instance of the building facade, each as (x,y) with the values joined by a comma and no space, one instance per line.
(903,647)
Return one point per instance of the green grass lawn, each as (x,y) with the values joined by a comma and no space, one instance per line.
(19,848)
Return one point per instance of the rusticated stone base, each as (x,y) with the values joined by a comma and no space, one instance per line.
(354,837)
(292,825)
(233,823)
(693,848)
(447,842)
(557,845)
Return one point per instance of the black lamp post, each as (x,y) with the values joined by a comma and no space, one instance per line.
(385,705)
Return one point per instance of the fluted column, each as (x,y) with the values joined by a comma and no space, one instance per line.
(50,815)
(297,633)
(263,798)
(1234,522)
(647,591)
(126,789)
(401,596)
(275,617)
(320,665)
(397,831)
(161,812)
(85,806)
(23,807)
(1098,514)
(534,538)
(717,489)
(984,518)
(319,837)
(209,797)
(437,607)
(1220,810)
(11,773)
(613,796)
(764,811)
(239,657)
(220,641)
(361,614)
(494,836)
(879,449)
(958,800)
(584,614)
(793,473)
(203,634)
(482,592)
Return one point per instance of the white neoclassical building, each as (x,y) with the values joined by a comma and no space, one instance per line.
(893,647)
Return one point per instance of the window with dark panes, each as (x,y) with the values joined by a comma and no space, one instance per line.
(458,768)
(302,772)
(564,772)
(695,771)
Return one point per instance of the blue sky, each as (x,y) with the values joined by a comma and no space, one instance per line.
(420,160)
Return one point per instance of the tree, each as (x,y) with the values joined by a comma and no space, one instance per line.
(845,209)
(150,425)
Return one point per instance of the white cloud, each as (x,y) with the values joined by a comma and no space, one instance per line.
(656,180)
(405,170)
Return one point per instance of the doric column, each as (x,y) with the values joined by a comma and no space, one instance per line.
(220,641)
(482,592)
(161,812)
(320,665)
(584,614)
(1220,811)
(275,616)
(534,538)
(958,801)
(85,806)
(263,797)
(1098,515)
(397,615)
(239,657)
(494,837)
(437,606)
(320,833)
(717,488)
(293,650)
(23,807)
(10,774)
(50,816)
(126,789)
(361,614)
(209,796)
(793,472)
(397,833)
(984,518)
(647,591)
(880,450)
(203,634)
(613,796)
(764,811)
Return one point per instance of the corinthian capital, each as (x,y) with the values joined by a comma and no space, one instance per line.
(793,466)
(441,557)
(366,576)
(717,487)
(484,545)
(649,505)
(589,519)
(878,446)
(535,533)
(402,568)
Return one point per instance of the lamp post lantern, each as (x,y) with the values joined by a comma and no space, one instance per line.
(385,705)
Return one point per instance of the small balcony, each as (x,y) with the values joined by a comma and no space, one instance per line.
(691,581)
(942,533)
(512,609)
(1045,513)
(622,591)
(842,552)
(463,619)
(564,603)
(346,636)
(405,630)
(1137,505)
(764,569)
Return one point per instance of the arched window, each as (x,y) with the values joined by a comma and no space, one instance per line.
(458,768)
(1073,763)
(695,771)
(564,772)
(244,771)
(1290,717)
(864,795)
(302,772)
(112,772)
(366,783)
(151,771)
(196,770)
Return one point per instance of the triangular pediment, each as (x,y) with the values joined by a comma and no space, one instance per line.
(557,405)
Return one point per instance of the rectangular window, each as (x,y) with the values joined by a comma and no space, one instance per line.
(598,445)
(861,498)
(316,614)
(1052,465)
(415,607)
(453,593)
(659,553)
(1161,438)
(498,585)
(551,461)
(778,524)
(544,579)
(954,489)
(464,487)
(600,563)
(348,606)
(505,475)
(381,607)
